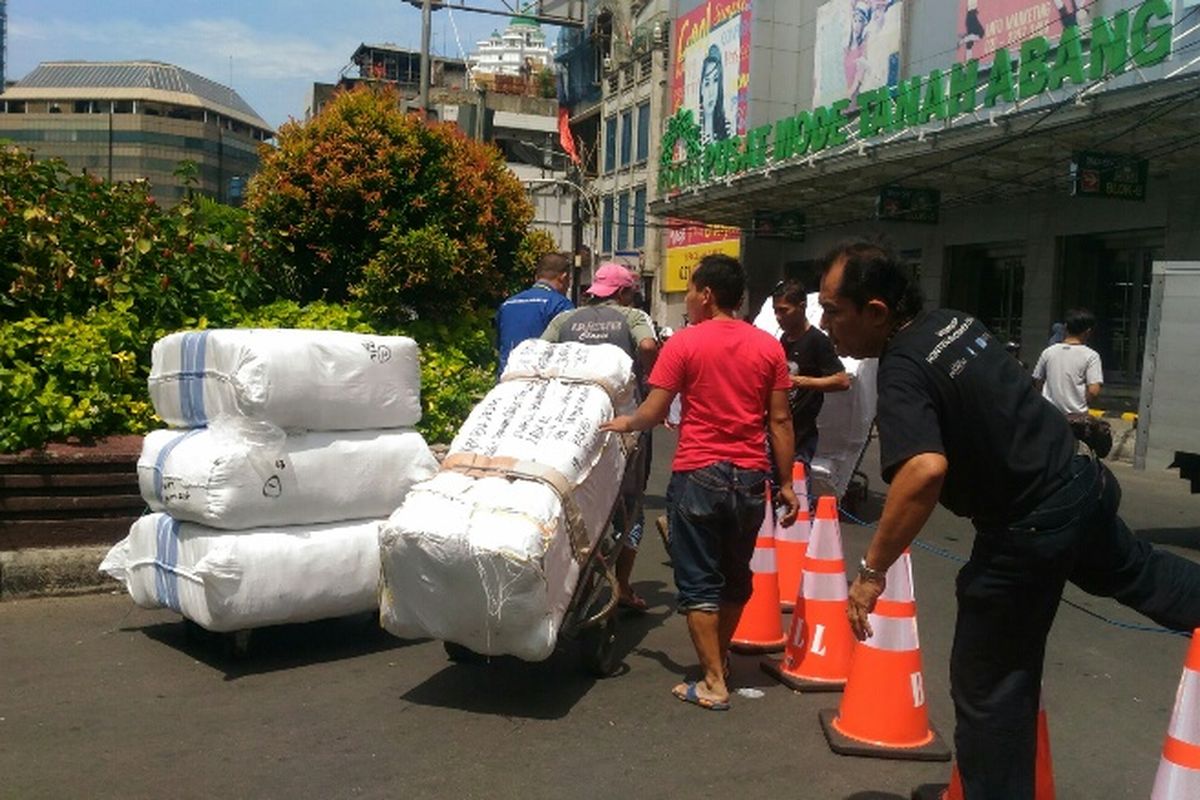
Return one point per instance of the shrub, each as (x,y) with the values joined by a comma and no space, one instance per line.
(79,376)
(366,202)
(70,243)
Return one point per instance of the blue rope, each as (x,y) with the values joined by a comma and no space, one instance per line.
(952,556)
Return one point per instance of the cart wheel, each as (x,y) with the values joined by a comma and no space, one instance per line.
(237,644)
(193,633)
(599,645)
(463,655)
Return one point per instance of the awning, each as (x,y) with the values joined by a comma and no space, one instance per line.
(982,158)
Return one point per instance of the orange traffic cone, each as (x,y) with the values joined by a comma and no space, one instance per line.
(883,711)
(800,485)
(1043,776)
(1179,770)
(1043,772)
(760,630)
(820,642)
(791,542)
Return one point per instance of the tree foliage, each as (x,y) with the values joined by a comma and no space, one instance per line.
(367,202)
(70,243)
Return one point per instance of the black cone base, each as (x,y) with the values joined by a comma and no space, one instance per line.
(843,745)
(774,668)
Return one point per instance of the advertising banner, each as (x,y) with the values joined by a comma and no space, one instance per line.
(858,48)
(710,76)
(688,243)
(985,26)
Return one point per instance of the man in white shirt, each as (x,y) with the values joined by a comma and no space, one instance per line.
(1069,373)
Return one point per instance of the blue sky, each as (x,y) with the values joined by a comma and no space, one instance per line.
(275,49)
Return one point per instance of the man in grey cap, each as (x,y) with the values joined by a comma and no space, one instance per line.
(611,318)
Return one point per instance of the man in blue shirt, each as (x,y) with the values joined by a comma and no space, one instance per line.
(526,314)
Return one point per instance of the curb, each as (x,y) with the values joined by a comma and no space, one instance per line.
(39,572)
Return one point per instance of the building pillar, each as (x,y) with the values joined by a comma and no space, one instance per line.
(1041,264)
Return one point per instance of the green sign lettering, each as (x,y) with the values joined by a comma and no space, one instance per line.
(1033,67)
(1151,43)
(1068,60)
(1110,45)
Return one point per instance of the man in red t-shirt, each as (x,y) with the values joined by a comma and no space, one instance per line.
(730,377)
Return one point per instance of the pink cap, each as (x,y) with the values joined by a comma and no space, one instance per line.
(610,279)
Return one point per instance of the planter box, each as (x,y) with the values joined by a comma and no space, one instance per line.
(70,494)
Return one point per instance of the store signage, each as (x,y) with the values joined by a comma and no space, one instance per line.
(1140,38)
(904,204)
(779,225)
(1111,175)
(688,242)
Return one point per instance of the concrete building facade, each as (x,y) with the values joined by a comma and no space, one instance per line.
(138,119)
(614,82)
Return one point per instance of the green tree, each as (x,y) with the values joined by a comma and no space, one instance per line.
(71,243)
(367,202)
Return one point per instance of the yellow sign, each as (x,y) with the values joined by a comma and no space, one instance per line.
(682,260)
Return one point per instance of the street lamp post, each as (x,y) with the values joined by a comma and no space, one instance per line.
(426,24)
(581,194)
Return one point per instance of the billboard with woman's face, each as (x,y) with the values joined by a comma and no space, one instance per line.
(711,69)
(711,78)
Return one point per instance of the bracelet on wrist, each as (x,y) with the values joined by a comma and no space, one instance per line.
(866,573)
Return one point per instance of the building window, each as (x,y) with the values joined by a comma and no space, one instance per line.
(639,217)
(626,137)
(623,221)
(643,133)
(606,225)
(610,144)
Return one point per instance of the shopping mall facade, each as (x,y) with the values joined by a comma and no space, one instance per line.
(1024,156)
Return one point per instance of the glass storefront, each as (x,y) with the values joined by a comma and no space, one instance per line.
(988,280)
(1109,274)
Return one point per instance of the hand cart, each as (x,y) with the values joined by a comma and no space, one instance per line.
(590,618)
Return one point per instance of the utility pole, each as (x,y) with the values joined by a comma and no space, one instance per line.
(426,22)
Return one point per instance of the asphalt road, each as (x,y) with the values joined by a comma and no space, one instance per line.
(101,699)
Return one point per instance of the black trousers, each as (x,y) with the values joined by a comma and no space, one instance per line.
(1008,593)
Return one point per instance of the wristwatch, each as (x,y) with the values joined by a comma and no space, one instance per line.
(867,574)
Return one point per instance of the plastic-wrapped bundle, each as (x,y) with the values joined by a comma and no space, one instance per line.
(305,379)
(488,552)
(267,576)
(236,475)
(607,367)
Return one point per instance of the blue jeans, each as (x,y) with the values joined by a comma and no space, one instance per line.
(714,516)
(806,449)
(1008,593)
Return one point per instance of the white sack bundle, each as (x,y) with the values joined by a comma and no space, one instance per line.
(232,581)
(239,475)
(300,379)
(491,561)
(607,365)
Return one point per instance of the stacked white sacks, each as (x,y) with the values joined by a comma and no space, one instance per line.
(487,554)
(264,512)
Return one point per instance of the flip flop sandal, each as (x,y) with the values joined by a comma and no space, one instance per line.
(634,603)
(691,696)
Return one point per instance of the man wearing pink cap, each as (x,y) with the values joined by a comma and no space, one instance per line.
(611,318)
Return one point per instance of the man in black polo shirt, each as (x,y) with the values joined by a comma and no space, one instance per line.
(812,364)
(960,422)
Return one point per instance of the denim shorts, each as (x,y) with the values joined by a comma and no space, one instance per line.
(714,516)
